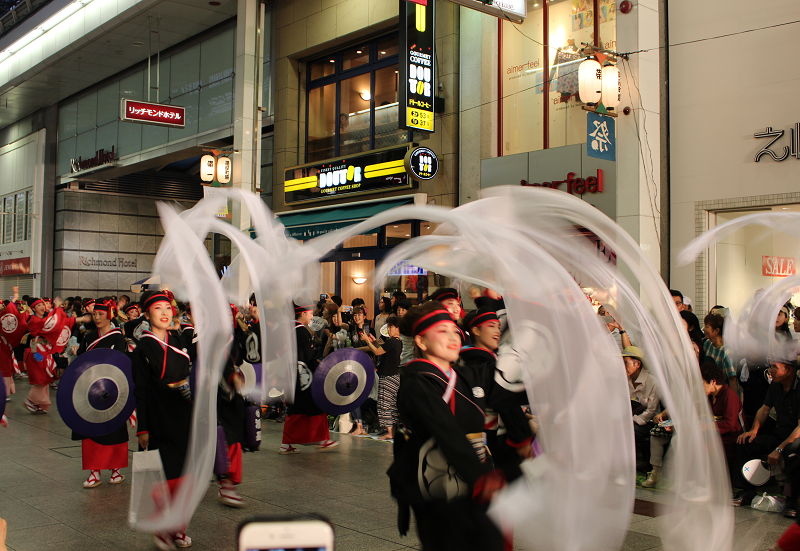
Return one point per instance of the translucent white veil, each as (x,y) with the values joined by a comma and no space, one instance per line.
(523,243)
(185,267)
(752,334)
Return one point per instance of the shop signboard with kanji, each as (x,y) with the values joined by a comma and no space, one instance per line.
(153,113)
(417,64)
(601,137)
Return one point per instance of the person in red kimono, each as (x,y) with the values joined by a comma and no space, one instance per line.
(48,333)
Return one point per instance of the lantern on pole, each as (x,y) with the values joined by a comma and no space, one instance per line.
(612,90)
(208,166)
(224,170)
(590,81)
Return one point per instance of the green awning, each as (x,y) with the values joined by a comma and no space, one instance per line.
(307,225)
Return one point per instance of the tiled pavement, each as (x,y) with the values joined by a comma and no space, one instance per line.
(47,509)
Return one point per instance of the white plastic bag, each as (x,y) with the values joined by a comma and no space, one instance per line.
(768,503)
(374,392)
(149,492)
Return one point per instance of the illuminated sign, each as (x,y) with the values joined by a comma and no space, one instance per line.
(422,163)
(15,266)
(224,170)
(376,171)
(510,10)
(208,164)
(153,113)
(417,69)
(405,269)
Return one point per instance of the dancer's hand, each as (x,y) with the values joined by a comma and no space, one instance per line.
(144,440)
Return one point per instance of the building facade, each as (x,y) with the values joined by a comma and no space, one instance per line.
(725,163)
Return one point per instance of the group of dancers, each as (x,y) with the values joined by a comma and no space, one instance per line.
(158,335)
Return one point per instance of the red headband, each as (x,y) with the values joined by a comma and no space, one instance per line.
(428,321)
(482,318)
(131,306)
(300,309)
(155,299)
(447,295)
(35,302)
(106,306)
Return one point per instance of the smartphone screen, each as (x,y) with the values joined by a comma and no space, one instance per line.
(286,533)
(289,549)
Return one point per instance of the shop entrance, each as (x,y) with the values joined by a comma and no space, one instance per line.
(348,270)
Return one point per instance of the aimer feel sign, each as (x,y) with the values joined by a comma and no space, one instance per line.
(417,71)
(153,113)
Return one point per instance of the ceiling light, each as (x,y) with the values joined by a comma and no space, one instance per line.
(785,208)
(383,53)
(358,51)
(358,280)
(119,52)
(395,226)
(332,61)
(536,5)
(408,235)
(365,96)
(137,43)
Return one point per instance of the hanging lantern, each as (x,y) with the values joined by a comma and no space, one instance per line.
(612,89)
(224,170)
(207,168)
(589,81)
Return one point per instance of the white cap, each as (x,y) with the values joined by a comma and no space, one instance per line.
(687,302)
(756,472)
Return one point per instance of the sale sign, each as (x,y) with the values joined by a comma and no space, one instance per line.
(777,266)
(153,113)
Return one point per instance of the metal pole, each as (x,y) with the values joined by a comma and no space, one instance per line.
(158,61)
(255,165)
(149,50)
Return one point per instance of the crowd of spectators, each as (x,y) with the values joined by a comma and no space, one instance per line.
(755,401)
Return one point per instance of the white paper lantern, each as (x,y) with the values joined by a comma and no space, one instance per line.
(224,170)
(611,86)
(208,166)
(590,81)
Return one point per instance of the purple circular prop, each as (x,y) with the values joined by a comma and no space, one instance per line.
(3,396)
(95,393)
(343,381)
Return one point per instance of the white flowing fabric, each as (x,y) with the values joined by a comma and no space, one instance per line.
(185,267)
(184,264)
(523,243)
(752,334)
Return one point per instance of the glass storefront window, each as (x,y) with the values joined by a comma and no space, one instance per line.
(327,275)
(388,47)
(750,259)
(355,57)
(356,241)
(366,115)
(387,132)
(570,26)
(522,84)
(351,270)
(321,123)
(397,233)
(323,68)
(426,228)
(355,115)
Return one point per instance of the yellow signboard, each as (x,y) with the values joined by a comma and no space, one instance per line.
(419,118)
